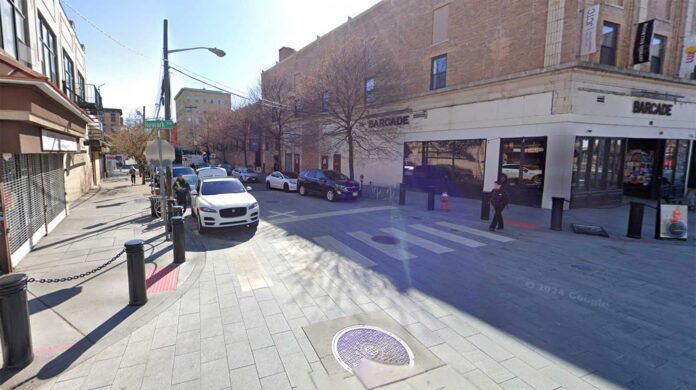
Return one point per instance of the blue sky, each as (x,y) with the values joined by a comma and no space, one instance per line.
(250,31)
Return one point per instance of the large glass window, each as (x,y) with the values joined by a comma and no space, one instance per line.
(68,76)
(439,72)
(597,164)
(657,54)
(81,86)
(48,51)
(12,34)
(610,34)
(369,91)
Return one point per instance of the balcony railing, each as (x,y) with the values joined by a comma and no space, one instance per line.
(90,100)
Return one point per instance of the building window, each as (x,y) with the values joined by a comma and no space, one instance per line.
(369,91)
(212,101)
(220,101)
(80,86)
(113,117)
(610,34)
(657,53)
(48,51)
(188,99)
(439,72)
(325,101)
(196,100)
(12,30)
(440,24)
(68,76)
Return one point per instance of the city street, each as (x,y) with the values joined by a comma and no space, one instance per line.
(488,309)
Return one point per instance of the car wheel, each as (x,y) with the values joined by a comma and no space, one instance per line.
(303,191)
(201,229)
(268,185)
(286,187)
(330,195)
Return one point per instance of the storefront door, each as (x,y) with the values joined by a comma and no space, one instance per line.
(597,172)
(324,162)
(337,162)
(288,162)
(297,163)
(521,169)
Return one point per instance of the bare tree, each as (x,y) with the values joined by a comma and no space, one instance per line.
(131,141)
(341,93)
(275,110)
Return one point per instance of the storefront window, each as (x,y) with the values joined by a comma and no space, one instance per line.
(682,162)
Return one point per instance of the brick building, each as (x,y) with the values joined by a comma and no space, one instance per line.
(111,119)
(543,94)
(191,107)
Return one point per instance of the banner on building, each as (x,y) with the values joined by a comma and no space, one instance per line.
(641,48)
(673,219)
(54,142)
(590,17)
(688,58)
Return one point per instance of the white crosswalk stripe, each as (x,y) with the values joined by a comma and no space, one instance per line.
(344,250)
(393,251)
(477,232)
(415,240)
(448,236)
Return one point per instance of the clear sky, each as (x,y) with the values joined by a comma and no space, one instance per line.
(250,31)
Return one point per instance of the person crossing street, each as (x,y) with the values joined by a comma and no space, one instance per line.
(182,189)
(499,200)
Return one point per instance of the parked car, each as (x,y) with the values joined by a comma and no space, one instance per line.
(223,201)
(330,184)
(282,180)
(204,173)
(192,181)
(176,171)
(246,175)
(530,174)
(227,167)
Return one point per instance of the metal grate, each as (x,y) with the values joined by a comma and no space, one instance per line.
(14,187)
(54,182)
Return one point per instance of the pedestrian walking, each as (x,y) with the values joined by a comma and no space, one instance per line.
(131,172)
(499,200)
(182,189)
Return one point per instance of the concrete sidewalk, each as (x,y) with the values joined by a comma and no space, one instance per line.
(74,320)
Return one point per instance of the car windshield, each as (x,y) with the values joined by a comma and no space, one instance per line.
(333,175)
(290,175)
(191,179)
(222,187)
(182,171)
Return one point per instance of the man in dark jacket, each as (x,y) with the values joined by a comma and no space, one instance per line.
(499,200)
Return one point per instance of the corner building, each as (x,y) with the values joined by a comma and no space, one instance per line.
(503,90)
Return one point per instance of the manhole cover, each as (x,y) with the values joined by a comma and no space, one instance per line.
(582,267)
(389,240)
(355,343)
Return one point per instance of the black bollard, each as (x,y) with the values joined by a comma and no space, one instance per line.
(137,287)
(431,198)
(402,194)
(178,236)
(170,211)
(557,213)
(15,328)
(485,205)
(635,220)
(177,211)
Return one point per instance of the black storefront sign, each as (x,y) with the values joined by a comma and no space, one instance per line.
(387,122)
(641,48)
(652,108)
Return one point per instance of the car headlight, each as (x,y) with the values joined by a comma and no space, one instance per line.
(208,210)
(341,188)
(253,205)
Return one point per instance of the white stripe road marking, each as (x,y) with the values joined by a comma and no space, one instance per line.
(390,250)
(448,236)
(492,236)
(344,250)
(415,240)
(332,214)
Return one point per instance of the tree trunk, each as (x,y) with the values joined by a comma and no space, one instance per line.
(350,155)
(280,160)
(246,149)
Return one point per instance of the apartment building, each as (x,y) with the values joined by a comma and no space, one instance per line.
(192,106)
(111,119)
(589,100)
(49,142)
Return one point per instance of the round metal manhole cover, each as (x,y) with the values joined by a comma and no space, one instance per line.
(355,343)
(389,240)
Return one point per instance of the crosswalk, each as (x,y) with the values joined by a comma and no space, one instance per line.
(361,247)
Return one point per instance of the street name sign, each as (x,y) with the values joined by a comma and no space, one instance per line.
(158,124)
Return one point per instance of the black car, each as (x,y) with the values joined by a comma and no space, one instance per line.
(330,184)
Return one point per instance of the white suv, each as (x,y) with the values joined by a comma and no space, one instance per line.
(222,202)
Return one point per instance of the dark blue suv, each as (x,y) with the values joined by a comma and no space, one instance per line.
(330,184)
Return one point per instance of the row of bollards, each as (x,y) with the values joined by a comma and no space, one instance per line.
(15,326)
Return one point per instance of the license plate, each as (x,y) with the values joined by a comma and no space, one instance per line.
(355,194)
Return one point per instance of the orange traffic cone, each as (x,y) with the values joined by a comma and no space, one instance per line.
(444,202)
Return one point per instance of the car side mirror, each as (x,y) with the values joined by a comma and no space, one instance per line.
(248,188)
(194,192)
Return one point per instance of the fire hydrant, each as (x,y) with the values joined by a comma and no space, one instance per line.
(444,202)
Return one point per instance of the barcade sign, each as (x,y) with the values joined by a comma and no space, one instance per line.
(652,108)
(673,219)
(388,122)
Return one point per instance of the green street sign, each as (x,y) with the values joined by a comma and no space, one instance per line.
(159,124)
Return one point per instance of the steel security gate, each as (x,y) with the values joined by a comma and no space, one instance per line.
(33,195)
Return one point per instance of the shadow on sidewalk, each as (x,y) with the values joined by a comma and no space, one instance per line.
(52,299)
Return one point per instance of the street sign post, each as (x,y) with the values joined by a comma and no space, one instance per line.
(164,152)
